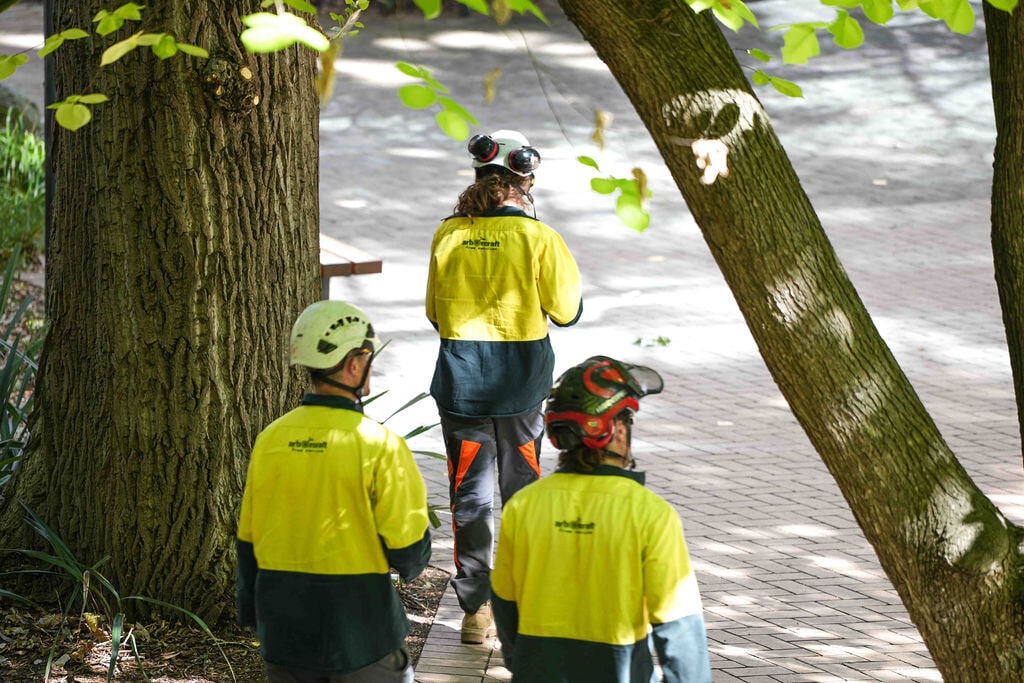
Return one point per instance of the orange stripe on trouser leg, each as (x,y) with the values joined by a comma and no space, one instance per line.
(529,452)
(467,453)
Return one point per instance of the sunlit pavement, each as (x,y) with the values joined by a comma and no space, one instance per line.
(893,144)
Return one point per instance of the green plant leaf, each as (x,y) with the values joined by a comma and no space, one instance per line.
(107,23)
(478,6)
(603,185)
(301,6)
(728,16)
(800,44)
(787,88)
(193,50)
(760,78)
(72,116)
(431,8)
(411,69)
(524,6)
(120,49)
(416,96)
(759,55)
(92,98)
(960,18)
(878,11)
(630,212)
(846,31)
(588,161)
(420,430)
(451,105)
(74,34)
(115,642)
(453,125)
(10,63)
(1005,5)
(165,47)
(408,404)
(270,32)
(50,44)
(432,454)
(130,11)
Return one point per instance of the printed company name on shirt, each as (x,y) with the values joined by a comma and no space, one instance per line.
(307,445)
(576,526)
(476,243)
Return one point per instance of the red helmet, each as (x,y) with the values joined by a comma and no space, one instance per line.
(587,398)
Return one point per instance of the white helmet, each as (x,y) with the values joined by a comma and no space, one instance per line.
(327,331)
(505,148)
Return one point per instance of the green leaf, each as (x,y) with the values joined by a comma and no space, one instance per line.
(166,47)
(1005,5)
(524,6)
(411,69)
(10,63)
(630,212)
(130,11)
(431,8)
(120,49)
(603,185)
(478,6)
(301,6)
(961,18)
(269,32)
(416,96)
(744,12)
(74,34)
(878,11)
(72,116)
(451,105)
(149,39)
(453,125)
(107,23)
(50,44)
(588,161)
(728,16)
(760,77)
(846,31)
(193,50)
(92,98)
(787,88)
(760,55)
(800,44)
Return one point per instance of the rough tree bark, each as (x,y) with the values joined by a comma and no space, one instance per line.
(951,555)
(183,244)
(1005,34)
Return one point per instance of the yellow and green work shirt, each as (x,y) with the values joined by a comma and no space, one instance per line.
(586,566)
(332,500)
(494,281)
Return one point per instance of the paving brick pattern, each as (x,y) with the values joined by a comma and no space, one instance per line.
(893,144)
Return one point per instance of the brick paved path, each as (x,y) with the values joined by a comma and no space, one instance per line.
(894,146)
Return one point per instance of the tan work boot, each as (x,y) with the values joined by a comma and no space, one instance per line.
(479,626)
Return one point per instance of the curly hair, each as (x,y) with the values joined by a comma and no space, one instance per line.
(581,460)
(488,192)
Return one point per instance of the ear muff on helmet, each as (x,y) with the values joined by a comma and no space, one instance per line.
(588,398)
(509,149)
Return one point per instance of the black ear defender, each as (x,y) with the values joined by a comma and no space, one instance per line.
(523,160)
(483,148)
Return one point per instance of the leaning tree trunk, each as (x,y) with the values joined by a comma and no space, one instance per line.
(1005,33)
(949,552)
(183,244)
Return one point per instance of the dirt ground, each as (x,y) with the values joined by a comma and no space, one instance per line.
(167,652)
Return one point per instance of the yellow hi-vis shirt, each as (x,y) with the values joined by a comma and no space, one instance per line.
(585,565)
(332,500)
(493,283)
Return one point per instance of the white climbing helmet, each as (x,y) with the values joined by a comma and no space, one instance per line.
(506,148)
(327,331)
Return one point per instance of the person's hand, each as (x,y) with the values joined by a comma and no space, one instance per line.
(712,158)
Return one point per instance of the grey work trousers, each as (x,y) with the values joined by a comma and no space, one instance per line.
(474,446)
(395,667)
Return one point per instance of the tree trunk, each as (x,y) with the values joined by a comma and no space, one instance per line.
(183,244)
(948,551)
(1005,34)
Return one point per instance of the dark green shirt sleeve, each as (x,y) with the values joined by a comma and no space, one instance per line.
(245,584)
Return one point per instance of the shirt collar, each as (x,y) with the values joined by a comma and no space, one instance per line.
(331,401)
(613,471)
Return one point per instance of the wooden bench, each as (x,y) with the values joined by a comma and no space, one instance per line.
(338,259)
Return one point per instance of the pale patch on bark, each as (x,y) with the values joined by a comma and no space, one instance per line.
(686,110)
